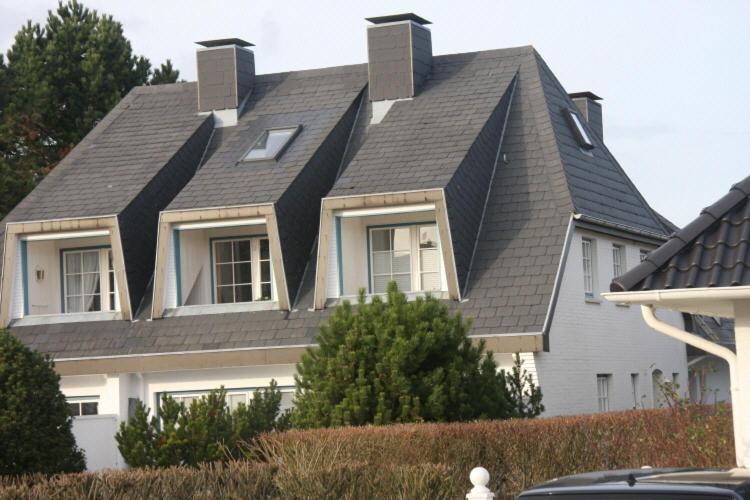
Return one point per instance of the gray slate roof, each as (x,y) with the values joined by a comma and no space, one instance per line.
(421,143)
(711,251)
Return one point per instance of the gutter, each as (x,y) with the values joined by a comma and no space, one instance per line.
(654,296)
(738,419)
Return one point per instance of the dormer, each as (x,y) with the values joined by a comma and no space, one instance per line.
(63,271)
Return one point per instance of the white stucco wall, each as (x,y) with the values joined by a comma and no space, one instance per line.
(597,337)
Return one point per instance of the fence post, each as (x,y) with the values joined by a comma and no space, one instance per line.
(480,478)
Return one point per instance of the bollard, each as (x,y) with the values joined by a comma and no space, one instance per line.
(480,478)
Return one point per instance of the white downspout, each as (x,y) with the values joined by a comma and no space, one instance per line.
(741,451)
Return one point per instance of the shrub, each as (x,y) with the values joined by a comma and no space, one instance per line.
(35,426)
(397,361)
(205,431)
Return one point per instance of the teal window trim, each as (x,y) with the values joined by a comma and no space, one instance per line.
(177,265)
(383,226)
(25,276)
(63,251)
(213,264)
(339,256)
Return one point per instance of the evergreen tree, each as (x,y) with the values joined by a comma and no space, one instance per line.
(35,426)
(166,73)
(60,79)
(525,395)
(397,361)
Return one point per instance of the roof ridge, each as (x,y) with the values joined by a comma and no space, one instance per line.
(680,240)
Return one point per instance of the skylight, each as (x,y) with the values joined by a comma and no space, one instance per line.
(272,143)
(581,135)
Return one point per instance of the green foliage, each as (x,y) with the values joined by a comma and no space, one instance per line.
(205,431)
(165,73)
(397,361)
(525,396)
(59,81)
(35,426)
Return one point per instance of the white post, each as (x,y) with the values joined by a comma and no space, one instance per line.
(741,390)
(480,478)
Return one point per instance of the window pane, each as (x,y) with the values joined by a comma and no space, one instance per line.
(234,400)
(264,252)
(430,282)
(270,143)
(74,304)
(265,291)
(225,294)
(92,303)
(265,271)
(381,240)
(403,281)
(380,284)
(429,261)
(401,262)
(243,293)
(91,408)
(241,250)
(381,263)
(242,273)
(73,284)
(90,262)
(223,251)
(402,238)
(112,302)
(74,409)
(91,284)
(428,237)
(72,263)
(224,274)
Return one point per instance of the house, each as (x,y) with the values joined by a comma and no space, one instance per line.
(708,374)
(704,269)
(202,231)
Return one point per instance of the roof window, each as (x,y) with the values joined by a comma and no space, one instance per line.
(583,138)
(272,143)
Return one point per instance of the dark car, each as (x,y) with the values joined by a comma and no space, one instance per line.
(647,484)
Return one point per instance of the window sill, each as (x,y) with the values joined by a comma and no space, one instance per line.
(197,310)
(51,319)
(622,304)
(410,296)
(593,301)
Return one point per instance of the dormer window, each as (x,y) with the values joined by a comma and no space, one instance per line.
(407,255)
(89,284)
(582,137)
(272,143)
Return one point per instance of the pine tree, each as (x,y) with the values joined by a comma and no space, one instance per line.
(525,395)
(165,73)
(397,361)
(35,426)
(59,81)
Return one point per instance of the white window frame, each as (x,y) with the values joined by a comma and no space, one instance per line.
(619,264)
(182,396)
(81,400)
(255,272)
(415,269)
(602,391)
(643,253)
(588,260)
(293,130)
(105,291)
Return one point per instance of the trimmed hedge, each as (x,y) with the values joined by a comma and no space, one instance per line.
(420,460)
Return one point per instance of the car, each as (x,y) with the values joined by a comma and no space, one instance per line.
(647,484)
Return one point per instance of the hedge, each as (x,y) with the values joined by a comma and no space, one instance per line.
(420,460)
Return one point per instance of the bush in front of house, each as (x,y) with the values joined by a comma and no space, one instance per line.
(397,361)
(35,426)
(205,431)
(419,460)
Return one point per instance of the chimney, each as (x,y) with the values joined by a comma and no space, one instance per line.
(226,71)
(399,50)
(591,110)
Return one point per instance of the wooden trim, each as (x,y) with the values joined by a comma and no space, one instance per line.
(208,214)
(180,361)
(321,267)
(277,260)
(121,275)
(511,343)
(383,199)
(446,247)
(9,257)
(162,235)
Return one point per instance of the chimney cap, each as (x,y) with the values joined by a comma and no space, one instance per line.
(225,41)
(587,94)
(393,18)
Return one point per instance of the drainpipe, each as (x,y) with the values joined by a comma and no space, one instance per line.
(741,452)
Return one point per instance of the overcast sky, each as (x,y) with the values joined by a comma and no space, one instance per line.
(673,74)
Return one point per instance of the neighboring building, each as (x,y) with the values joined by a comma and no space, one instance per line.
(709,374)
(202,231)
